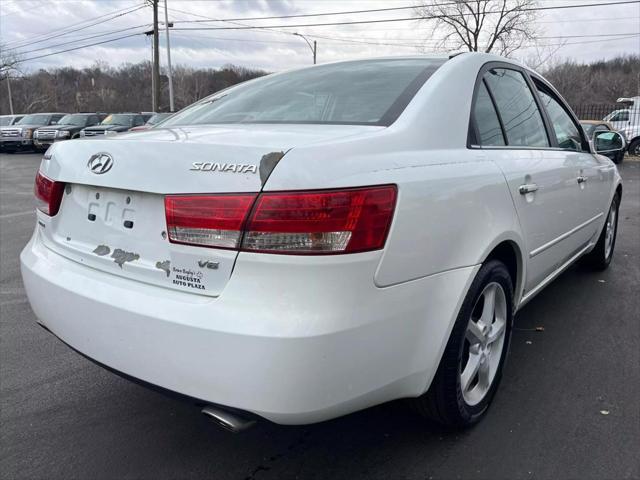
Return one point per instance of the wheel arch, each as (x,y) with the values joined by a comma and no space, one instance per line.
(509,250)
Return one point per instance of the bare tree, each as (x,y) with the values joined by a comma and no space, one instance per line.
(498,26)
(8,61)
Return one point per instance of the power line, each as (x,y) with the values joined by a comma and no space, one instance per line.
(23,44)
(413,46)
(433,42)
(81,46)
(48,47)
(402,19)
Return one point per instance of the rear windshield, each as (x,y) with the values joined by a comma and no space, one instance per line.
(366,92)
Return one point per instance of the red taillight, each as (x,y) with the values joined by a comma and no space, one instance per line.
(207,220)
(334,221)
(316,222)
(48,194)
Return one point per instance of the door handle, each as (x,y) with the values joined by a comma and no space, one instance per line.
(581,179)
(527,188)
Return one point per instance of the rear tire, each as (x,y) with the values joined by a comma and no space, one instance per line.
(600,257)
(634,147)
(471,366)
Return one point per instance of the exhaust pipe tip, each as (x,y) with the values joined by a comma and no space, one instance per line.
(231,422)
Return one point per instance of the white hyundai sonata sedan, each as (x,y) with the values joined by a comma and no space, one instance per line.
(315,242)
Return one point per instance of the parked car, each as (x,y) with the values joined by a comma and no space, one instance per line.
(618,119)
(67,128)
(627,121)
(19,136)
(319,241)
(632,133)
(152,122)
(8,120)
(592,127)
(115,123)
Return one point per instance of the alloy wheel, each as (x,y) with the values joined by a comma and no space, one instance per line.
(484,343)
(610,230)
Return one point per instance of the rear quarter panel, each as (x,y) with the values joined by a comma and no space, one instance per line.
(453,202)
(453,205)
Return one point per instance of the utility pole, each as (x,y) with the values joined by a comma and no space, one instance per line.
(313,47)
(156,59)
(166,26)
(9,89)
(149,33)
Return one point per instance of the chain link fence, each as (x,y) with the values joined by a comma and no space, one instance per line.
(617,114)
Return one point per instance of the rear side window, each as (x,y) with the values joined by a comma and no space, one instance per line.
(486,120)
(566,130)
(518,109)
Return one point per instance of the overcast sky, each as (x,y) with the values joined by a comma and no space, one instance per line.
(24,22)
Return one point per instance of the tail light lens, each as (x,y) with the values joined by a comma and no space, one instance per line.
(48,194)
(207,220)
(335,221)
(313,223)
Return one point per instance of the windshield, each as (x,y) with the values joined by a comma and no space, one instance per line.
(118,119)
(34,120)
(588,128)
(365,92)
(157,118)
(77,120)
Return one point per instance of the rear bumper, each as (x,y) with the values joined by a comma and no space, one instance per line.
(287,340)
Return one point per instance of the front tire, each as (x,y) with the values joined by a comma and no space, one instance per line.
(619,158)
(600,257)
(471,366)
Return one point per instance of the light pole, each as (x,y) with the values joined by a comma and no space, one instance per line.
(312,47)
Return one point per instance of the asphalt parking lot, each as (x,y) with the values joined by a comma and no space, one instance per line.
(567,408)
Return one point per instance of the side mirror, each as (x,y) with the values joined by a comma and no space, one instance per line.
(608,142)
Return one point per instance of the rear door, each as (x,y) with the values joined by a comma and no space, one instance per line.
(591,176)
(541,181)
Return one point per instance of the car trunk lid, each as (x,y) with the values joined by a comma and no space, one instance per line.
(112,216)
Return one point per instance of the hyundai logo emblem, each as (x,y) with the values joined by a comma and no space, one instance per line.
(100,163)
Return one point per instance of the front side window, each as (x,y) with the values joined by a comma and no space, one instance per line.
(486,119)
(566,130)
(622,116)
(364,92)
(516,104)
